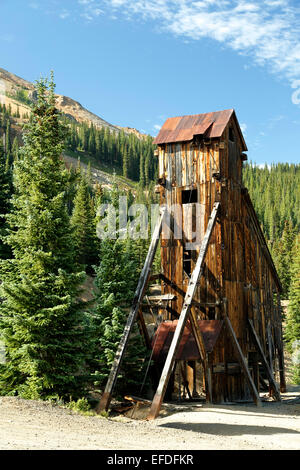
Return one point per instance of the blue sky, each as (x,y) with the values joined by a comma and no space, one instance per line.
(135,63)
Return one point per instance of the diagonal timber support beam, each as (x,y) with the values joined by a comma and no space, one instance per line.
(138,297)
(170,361)
(240,358)
(260,350)
(202,351)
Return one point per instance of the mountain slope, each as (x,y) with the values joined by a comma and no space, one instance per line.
(18,93)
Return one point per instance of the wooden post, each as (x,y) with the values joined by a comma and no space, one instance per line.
(280,349)
(269,336)
(143,329)
(270,342)
(256,372)
(170,361)
(142,284)
(203,356)
(240,357)
(272,382)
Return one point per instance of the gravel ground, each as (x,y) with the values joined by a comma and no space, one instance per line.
(36,425)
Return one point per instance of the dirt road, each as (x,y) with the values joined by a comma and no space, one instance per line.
(37,425)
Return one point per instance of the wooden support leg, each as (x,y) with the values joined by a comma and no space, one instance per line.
(270,376)
(256,372)
(281,370)
(144,330)
(241,359)
(142,284)
(201,348)
(270,342)
(269,336)
(196,275)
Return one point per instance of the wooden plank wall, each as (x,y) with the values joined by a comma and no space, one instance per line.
(236,265)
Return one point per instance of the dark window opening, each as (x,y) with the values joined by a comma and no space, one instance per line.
(189,196)
(211,313)
(187,262)
(231,134)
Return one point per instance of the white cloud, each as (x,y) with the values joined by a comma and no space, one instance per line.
(243,127)
(263,165)
(64,14)
(265,30)
(91,9)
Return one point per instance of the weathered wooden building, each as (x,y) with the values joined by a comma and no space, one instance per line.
(219,288)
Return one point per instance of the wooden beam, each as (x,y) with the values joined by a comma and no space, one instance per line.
(161,298)
(280,347)
(270,342)
(240,358)
(203,356)
(139,293)
(196,275)
(144,329)
(264,361)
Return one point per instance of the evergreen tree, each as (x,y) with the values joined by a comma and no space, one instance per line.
(5,194)
(142,171)
(7,138)
(42,324)
(125,163)
(83,222)
(283,257)
(116,279)
(292,333)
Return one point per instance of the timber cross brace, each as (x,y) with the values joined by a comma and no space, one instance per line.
(187,315)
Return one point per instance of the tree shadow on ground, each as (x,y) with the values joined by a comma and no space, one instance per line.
(228,429)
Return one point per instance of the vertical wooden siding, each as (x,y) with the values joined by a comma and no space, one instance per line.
(236,266)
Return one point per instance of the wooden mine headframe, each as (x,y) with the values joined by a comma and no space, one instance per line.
(218,279)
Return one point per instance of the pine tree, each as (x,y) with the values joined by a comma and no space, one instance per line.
(142,171)
(83,223)
(42,324)
(15,148)
(292,333)
(125,163)
(284,257)
(147,169)
(5,194)
(115,283)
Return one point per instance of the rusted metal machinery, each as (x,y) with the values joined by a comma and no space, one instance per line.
(220,290)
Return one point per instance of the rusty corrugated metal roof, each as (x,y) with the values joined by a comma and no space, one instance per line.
(184,128)
(188,350)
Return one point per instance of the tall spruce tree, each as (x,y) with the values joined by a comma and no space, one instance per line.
(116,279)
(292,333)
(5,194)
(283,256)
(84,226)
(42,322)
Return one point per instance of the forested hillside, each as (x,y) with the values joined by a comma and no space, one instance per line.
(128,153)
(275,193)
